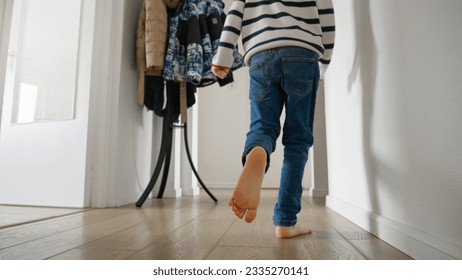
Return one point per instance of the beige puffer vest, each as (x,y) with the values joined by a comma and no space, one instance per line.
(151,40)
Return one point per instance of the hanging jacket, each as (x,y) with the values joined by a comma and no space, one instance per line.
(151,40)
(193,39)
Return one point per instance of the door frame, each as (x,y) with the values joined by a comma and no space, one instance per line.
(6,12)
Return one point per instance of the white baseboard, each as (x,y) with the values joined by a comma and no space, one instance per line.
(134,197)
(228,185)
(220,185)
(190,191)
(414,242)
(126,199)
(313,192)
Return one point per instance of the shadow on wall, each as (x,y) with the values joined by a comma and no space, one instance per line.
(364,70)
(404,86)
(380,126)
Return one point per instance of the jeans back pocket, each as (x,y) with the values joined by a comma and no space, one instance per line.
(299,74)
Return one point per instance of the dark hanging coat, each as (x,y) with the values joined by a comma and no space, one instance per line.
(193,38)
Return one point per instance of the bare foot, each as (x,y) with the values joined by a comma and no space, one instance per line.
(289,232)
(246,195)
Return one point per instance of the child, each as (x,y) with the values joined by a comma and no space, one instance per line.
(283,42)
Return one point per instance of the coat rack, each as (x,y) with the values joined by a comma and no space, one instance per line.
(166,148)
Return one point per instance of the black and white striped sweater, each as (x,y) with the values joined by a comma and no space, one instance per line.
(267,24)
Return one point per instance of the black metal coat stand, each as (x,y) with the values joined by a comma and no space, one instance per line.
(166,148)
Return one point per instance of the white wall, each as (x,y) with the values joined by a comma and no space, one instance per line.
(121,137)
(126,137)
(393,112)
(223,122)
(134,136)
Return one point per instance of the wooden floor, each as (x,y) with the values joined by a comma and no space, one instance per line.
(11,215)
(190,228)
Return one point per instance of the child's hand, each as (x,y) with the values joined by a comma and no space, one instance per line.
(220,72)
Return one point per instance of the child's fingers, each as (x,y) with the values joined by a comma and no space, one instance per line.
(220,71)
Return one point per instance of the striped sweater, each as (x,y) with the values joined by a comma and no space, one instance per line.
(268,24)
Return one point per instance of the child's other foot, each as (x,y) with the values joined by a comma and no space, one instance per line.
(289,232)
(246,195)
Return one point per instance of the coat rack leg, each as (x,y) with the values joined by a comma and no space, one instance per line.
(191,163)
(155,175)
(164,157)
(168,156)
(166,150)
(184,120)
(185,127)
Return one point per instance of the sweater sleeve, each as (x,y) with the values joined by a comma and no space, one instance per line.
(230,35)
(327,20)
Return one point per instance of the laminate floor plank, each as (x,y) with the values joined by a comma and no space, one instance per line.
(191,228)
(193,241)
(28,232)
(309,248)
(245,253)
(376,249)
(11,215)
(24,233)
(57,243)
(366,243)
(324,243)
(92,254)
(155,225)
(346,228)
(261,233)
(158,216)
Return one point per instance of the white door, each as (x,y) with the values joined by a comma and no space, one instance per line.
(44,122)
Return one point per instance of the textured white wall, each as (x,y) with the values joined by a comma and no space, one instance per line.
(393,109)
(135,151)
(121,132)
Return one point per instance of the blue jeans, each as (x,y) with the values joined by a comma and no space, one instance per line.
(284,77)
